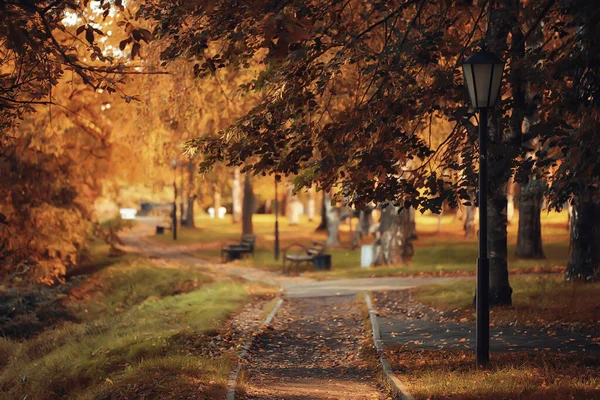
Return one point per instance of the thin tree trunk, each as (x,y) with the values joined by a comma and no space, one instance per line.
(236,195)
(310,209)
(510,198)
(323,225)
(529,236)
(294,209)
(469,225)
(394,245)
(584,249)
(333,222)
(217,201)
(247,206)
(189,216)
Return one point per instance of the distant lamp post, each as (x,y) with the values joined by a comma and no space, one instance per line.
(276,250)
(174,165)
(483,77)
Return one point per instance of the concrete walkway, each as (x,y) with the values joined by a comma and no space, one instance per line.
(433,335)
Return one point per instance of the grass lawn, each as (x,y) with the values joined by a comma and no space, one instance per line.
(438,253)
(537,300)
(139,335)
(452,375)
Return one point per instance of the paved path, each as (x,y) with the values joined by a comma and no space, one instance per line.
(432,335)
(312,352)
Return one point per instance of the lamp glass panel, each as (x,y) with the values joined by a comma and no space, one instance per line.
(468,75)
(496,83)
(483,77)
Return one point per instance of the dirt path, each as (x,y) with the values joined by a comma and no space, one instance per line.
(312,351)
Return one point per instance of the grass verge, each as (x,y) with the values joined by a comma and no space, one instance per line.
(537,301)
(452,375)
(133,341)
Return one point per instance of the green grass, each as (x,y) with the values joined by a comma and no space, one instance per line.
(443,252)
(537,300)
(134,340)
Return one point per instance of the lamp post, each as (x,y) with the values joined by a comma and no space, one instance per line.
(483,77)
(174,164)
(276,250)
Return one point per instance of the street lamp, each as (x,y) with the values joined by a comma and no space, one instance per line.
(276,251)
(483,77)
(174,164)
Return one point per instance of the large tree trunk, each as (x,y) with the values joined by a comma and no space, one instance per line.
(584,244)
(394,245)
(247,206)
(236,195)
(323,225)
(500,293)
(529,237)
(191,197)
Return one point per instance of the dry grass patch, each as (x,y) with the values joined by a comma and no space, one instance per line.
(452,375)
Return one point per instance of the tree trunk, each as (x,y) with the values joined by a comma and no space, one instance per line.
(394,245)
(469,225)
(529,236)
(365,219)
(584,249)
(247,206)
(189,216)
(310,209)
(510,198)
(217,201)
(323,225)
(500,293)
(236,195)
(335,215)
(294,209)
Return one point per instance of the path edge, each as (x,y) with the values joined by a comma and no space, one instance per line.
(401,391)
(231,383)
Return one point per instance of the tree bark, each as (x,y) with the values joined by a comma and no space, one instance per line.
(247,206)
(323,225)
(189,216)
(529,236)
(394,245)
(236,195)
(365,219)
(584,249)
(334,215)
(310,209)
(500,293)
(469,225)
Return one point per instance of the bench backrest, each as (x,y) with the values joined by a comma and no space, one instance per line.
(249,240)
(316,248)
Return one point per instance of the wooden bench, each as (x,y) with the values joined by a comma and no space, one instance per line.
(235,251)
(296,254)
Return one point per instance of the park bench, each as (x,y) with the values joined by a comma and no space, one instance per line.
(296,254)
(236,251)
